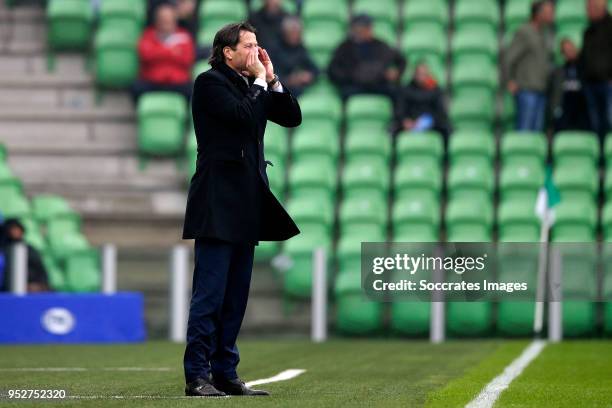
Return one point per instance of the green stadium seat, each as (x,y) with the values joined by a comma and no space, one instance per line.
(266,250)
(363,179)
(48,206)
(518,263)
(471,146)
(33,235)
(315,179)
(572,148)
(469,12)
(83,271)
(528,148)
(207,31)
(579,183)
(607,149)
(316,141)
(321,43)
(469,220)
(606,221)
(69,24)
(410,318)
(68,223)
(520,181)
(116,58)
(198,68)
(366,145)
(64,246)
(57,278)
(570,12)
(277,178)
(122,15)
(508,114)
(360,211)
(424,41)
(416,180)
(14,204)
(192,153)
(373,111)
(215,10)
(517,221)
(315,233)
(575,221)
(416,219)
(417,12)
(355,314)
(386,32)
(425,148)
(320,107)
(161,123)
(474,73)
(516,12)
(472,110)
(471,180)
(348,251)
(470,42)
(3,154)
(322,11)
(322,88)
(276,141)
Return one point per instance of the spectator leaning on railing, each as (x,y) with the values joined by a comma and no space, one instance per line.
(596,66)
(166,56)
(528,66)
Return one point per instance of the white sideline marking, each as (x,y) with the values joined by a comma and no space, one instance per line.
(282,376)
(67,369)
(492,390)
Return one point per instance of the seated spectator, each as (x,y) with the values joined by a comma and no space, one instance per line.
(571,112)
(14,232)
(186,10)
(268,23)
(166,56)
(365,64)
(596,66)
(528,67)
(291,59)
(420,104)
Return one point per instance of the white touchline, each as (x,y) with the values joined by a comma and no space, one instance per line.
(492,390)
(282,376)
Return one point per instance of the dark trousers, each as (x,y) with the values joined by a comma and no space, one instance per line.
(221,280)
(599,102)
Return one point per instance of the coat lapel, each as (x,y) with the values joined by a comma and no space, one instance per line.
(235,78)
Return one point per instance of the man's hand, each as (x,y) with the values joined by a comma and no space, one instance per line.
(254,66)
(267,63)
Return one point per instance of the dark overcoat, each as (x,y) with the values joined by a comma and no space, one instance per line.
(229,196)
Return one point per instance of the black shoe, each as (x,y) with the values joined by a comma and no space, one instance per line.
(236,387)
(201,387)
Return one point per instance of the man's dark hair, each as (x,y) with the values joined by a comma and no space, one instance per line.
(228,36)
(537,6)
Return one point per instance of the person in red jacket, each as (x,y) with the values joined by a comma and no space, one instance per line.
(166,54)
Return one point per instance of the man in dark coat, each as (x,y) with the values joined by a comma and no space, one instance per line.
(363,64)
(230,207)
(596,66)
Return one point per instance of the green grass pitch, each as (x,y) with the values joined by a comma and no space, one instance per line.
(340,373)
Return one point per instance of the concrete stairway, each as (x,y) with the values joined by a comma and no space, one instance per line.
(61,140)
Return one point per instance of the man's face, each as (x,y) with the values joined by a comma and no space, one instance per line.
(237,57)
(15,233)
(272,5)
(363,32)
(421,74)
(547,13)
(165,20)
(293,35)
(596,9)
(569,51)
